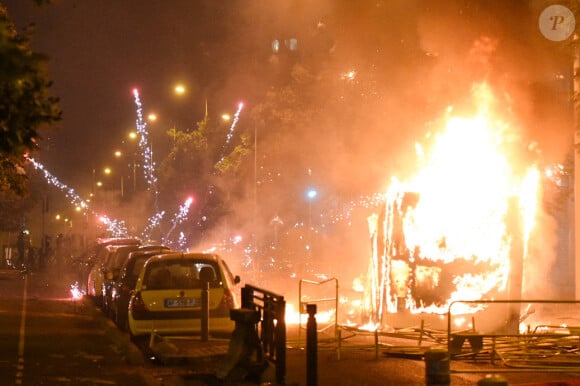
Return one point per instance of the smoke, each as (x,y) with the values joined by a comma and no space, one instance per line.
(373,78)
(344,90)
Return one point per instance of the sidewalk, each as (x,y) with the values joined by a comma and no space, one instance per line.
(359,365)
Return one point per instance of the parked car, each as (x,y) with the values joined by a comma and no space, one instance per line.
(111,268)
(123,287)
(167,296)
(102,249)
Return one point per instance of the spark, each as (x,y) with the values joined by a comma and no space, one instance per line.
(234,122)
(349,75)
(75,292)
(76,200)
(152,223)
(231,130)
(182,241)
(180,216)
(115,227)
(145,146)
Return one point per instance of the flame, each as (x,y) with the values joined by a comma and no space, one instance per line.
(471,200)
(293,316)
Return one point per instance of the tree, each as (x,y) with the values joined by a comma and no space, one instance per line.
(202,166)
(25,103)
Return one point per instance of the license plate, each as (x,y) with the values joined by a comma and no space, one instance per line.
(182,302)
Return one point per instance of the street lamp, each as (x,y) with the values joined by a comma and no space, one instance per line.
(179,89)
(133,136)
(311,195)
(118,155)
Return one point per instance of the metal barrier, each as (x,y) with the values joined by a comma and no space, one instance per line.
(303,303)
(271,327)
(546,348)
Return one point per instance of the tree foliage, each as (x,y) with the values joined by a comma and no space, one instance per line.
(25,103)
(203,165)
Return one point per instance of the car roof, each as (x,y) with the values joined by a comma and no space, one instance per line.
(188,255)
(124,247)
(150,250)
(118,241)
(112,248)
(151,247)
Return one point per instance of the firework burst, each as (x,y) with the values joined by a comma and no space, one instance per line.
(145,146)
(180,216)
(76,200)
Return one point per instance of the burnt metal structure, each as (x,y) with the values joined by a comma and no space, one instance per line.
(402,279)
(545,348)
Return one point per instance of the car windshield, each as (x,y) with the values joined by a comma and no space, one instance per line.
(182,274)
(120,256)
(137,265)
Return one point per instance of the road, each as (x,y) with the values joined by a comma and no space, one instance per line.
(46,338)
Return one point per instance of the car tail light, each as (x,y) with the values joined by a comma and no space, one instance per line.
(136,303)
(227,303)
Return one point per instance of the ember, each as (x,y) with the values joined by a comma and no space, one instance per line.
(75,292)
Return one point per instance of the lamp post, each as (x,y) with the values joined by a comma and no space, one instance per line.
(133,136)
(118,155)
(255,215)
(107,172)
(311,195)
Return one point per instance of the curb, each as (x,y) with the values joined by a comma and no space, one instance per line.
(132,354)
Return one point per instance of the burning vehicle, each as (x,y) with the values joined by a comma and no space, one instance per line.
(458,228)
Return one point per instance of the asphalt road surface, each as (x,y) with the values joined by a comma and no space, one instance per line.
(47,338)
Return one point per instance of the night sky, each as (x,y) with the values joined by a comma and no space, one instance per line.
(99,51)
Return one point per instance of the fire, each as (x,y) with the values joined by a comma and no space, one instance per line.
(469,209)
(293,316)
(75,292)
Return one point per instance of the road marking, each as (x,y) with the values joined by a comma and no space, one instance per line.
(20,367)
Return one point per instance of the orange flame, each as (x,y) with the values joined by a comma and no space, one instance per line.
(466,190)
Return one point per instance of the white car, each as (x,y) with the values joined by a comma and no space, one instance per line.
(167,297)
(99,254)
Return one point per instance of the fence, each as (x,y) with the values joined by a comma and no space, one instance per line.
(271,327)
(330,300)
(544,348)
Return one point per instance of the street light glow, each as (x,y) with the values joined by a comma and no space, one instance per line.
(311,194)
(107,171)
(179,89)
(152,117)
(118,153)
